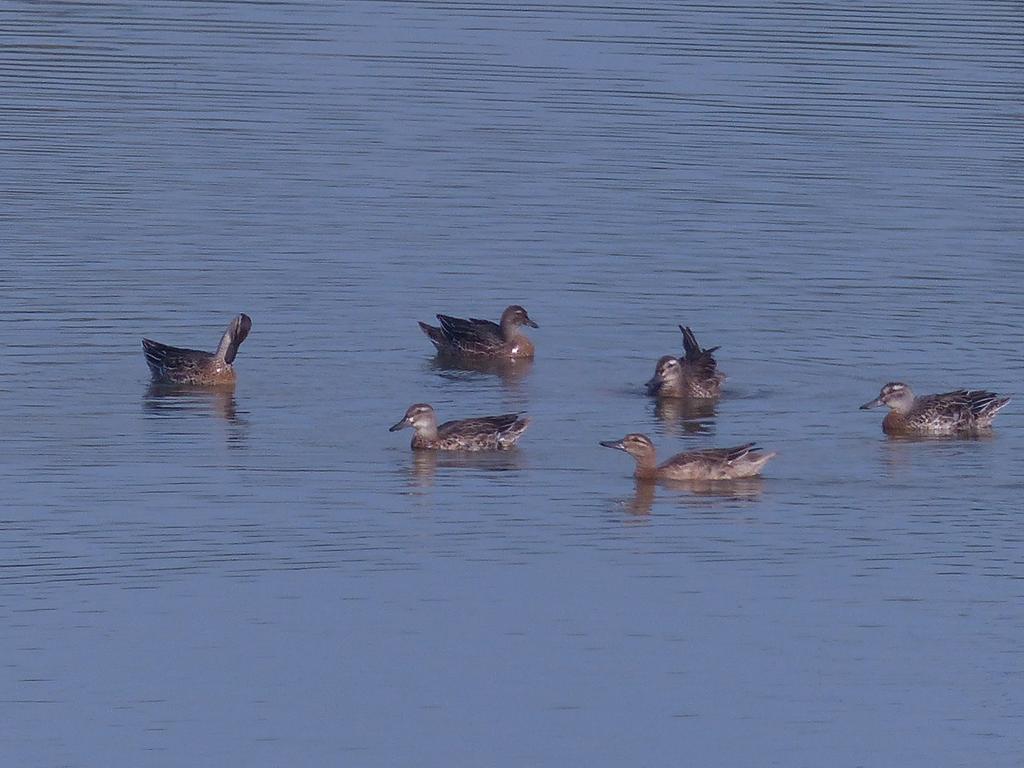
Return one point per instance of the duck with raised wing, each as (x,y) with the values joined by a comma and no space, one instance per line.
(693,375)
(482,338)
(484,433)
(963,411)
(707,464)
(176,365)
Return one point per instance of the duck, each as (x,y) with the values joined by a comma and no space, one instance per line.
(694,375)
(179,366)
(708,464)
(962,411)
(483,433)
(482,338)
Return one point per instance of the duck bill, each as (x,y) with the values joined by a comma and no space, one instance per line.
(530,323)
(653,385)
(616,444)
(872,404)
(398,426)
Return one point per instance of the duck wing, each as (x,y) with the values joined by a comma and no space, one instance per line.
(959,403)
(711,455)
(162,358)
(482,425)
(702,361)
(959,409)
(716,460)
(727,455)
(472,335)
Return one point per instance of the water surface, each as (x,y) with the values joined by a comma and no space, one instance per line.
(267,576)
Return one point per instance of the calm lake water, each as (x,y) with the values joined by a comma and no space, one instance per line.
(267,577)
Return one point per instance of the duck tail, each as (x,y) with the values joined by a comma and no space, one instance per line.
(982,403)
(757,460)
(992,407)
(233,337)
(749,459)
(510,436)
(435,334)
(155,353)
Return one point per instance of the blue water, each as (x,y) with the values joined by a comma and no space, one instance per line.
(266,576)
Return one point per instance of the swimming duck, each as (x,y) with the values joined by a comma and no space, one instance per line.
(693,375)
(485,433)
(482,338)
(961,411)
(174,365)
(708,464)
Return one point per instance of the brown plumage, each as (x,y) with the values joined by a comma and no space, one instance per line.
(177,365)
(694,375)
(707,464)
(482,338)
(963,411)
(484,433)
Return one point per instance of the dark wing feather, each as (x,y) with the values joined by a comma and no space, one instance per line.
(728,454)
(435,334)
(732,454)
(959,409)
(935,401)
(472,329)
(162,358)
(980,401)
(482,425)
(711,456)
(955,403)
(154,352)
(701,360)
(690,346)
(471,335)
(724,454)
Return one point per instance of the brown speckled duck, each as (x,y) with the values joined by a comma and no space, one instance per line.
(694,375)
(174,365)
(708,464)
(485,433)
(963,411)
(482,338)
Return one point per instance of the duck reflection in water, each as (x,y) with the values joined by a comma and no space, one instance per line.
(642,500)
(645,491)
(687,416)
(899,451)
(425,464)
(511,372)
(171,400)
